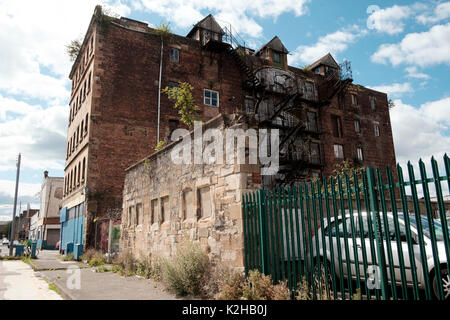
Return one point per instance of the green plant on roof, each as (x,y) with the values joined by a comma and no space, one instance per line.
(184,102)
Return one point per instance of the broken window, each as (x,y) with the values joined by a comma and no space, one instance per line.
(359,153)
(174,55)
(337,126)
(249,105)
(354,99)
(204,202)
(377,130)
(165,209)
(312,121)
(357,126)
(173,125)
(315,153)
(372,103)
(339,151)
(188,204)
(211,98)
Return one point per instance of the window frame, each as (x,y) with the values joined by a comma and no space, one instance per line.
(336,152)
(211,98)
(172,56)
(376,128)
(360,153)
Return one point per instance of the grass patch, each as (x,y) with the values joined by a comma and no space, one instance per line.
(94,258)
(69,257)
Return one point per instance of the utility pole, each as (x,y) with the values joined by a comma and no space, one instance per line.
(15,207)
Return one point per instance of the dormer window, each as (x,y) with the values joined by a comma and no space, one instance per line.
(276,57)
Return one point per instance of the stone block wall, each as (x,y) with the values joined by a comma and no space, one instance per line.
(165,203)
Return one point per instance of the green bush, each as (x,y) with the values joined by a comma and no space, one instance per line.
(69,257)
(96,261)
(186,272)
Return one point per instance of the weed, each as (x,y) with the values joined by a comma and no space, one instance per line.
(185,273)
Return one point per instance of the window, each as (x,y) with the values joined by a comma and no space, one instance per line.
(79,172)
(377,130)
(75,178)
(84,169)
(154,211)
(357,126)
(372,103)
(354,100)
(315,153)
(165,209)
(188,204)
(277,57)
(86,123)
(211,98)
(337,126)
(81,131)
(339,151)
(312,121)
(173,125)
(139,216)
(130,215)
(173,85)
(316,175)
(174,55)
(89,82)
(249,105)
(359,153)
(204,202)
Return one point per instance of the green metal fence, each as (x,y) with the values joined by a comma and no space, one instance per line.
(369,234)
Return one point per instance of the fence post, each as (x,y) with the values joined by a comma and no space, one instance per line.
(371,184)
(262,229)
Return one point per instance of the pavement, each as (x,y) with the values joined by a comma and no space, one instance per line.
(74,281)
(18,281)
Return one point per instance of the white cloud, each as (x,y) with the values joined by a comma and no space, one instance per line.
(394,90)
(421,133)
(240,13)
(33,35)
(421,49)
(334,43)
(441,12)
(38,133)
(413,72)
(389,20)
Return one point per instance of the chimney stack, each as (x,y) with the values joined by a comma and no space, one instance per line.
(45,174)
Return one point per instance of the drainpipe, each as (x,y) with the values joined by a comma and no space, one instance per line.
(159,89)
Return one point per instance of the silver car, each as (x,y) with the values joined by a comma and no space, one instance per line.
(395,254)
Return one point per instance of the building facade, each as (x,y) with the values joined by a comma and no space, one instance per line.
(48,227)
(118,113)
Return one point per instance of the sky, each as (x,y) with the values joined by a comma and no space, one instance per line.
(398,47)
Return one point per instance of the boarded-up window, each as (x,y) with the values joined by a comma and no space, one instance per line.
(312,121)
(154,211)
(188,204)
(130,215)
(165,209)
(205,202)
(139,215)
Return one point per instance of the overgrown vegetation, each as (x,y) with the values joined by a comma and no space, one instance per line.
(94,258)
(186,273)
(159,146)
(256,286)
(69,257)
(10,258)
(73,49)
(163,30)
(184,102)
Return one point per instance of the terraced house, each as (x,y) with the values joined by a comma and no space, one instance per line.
(118,115)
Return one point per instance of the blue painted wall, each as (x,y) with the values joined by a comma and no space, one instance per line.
(72,227)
